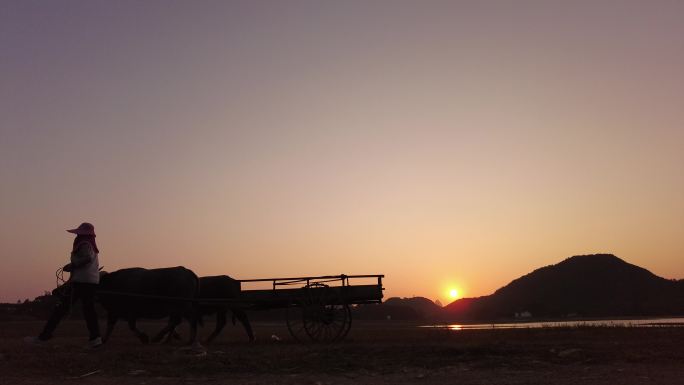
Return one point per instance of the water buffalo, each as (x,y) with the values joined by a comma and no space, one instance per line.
(222,286)
(150,294)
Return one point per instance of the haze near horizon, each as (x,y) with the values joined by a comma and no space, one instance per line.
(447,145)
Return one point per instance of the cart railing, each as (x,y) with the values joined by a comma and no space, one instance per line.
(307,281)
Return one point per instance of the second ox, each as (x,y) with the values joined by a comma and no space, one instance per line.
(222,286)
(217,288)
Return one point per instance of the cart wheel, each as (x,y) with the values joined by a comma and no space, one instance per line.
(320,315)
(349,324)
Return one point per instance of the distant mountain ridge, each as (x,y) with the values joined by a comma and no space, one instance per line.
(423,306)
(598,285)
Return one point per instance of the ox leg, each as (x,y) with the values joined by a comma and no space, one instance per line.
(111,321)
(167,338)
(242,317)
(220,324)
(141,336)
(194,337)
(175,335)
(168,329)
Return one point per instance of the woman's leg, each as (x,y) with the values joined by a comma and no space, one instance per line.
(87,295)
(58,313)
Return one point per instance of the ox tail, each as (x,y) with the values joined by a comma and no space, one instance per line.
(196,305)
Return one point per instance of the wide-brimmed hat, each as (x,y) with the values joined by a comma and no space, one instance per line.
(84,229)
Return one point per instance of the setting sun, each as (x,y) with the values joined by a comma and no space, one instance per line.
(453,293)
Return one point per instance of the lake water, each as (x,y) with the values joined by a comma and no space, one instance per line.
(650,322)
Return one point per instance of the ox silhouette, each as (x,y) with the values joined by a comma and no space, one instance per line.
(154,294)
(220,287)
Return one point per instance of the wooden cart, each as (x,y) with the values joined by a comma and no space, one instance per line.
(318,308)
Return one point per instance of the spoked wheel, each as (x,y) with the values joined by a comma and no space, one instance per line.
(320,315)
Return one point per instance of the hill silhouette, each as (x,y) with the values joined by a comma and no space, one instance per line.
(423,306)
(599,285)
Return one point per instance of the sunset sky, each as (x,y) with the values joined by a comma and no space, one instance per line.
(445,144)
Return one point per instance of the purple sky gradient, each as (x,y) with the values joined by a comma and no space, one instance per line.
(443,143)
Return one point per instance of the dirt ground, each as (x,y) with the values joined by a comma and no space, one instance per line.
(374,353)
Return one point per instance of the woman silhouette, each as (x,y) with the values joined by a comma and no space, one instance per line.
(85,276)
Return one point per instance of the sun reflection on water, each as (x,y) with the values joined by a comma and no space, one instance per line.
(647,322)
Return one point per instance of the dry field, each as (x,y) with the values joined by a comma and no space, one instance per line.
(374,353)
